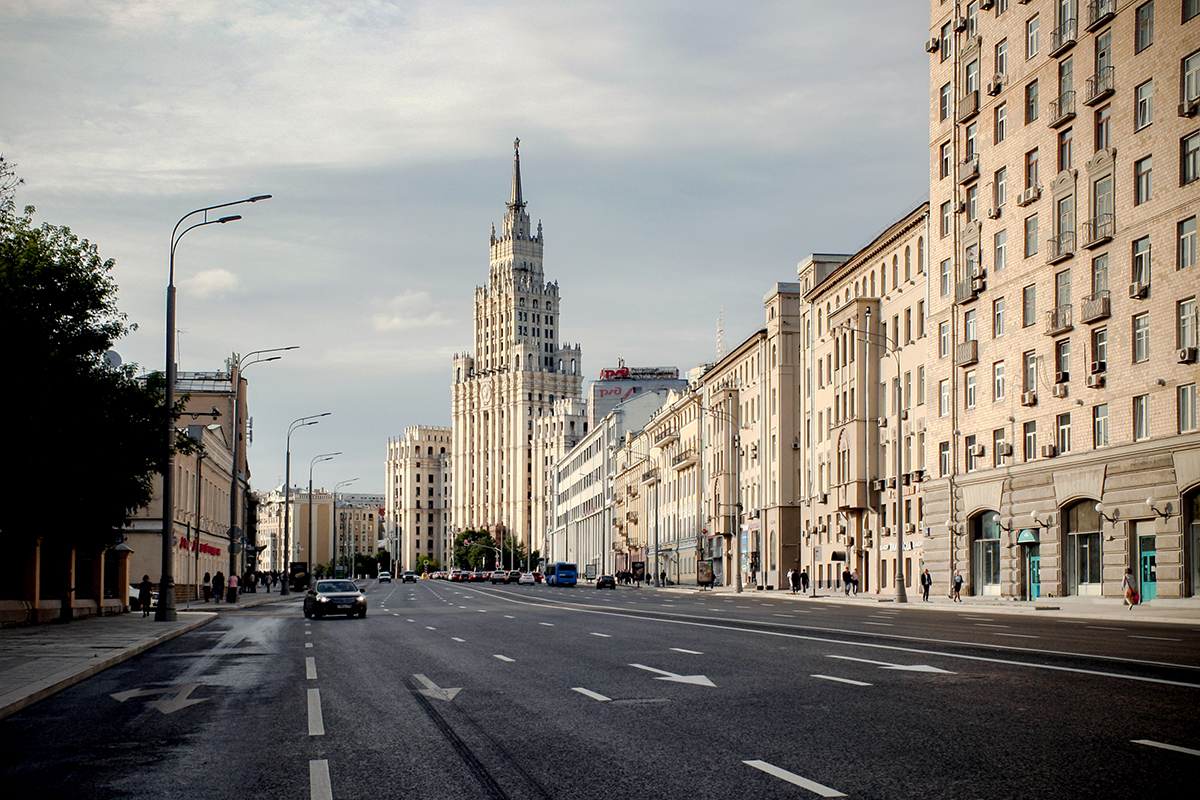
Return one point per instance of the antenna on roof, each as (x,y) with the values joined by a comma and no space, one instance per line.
(721,348)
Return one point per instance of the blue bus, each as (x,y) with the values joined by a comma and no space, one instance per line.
(561,574)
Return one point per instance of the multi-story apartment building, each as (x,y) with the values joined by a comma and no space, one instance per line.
(554,436)
(418,496)
(1064,157)
(359,527)
(517,372)
(866,365)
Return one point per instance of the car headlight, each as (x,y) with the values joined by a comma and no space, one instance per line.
(322,599)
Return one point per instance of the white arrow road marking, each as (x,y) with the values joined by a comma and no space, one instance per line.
(793,778)
(689,652)
(698,680)
(591,694)
(841,680)
(901,667)
(436,692)
(310,668)
(1153,743)
(318,780)
(455,638)
(169,705)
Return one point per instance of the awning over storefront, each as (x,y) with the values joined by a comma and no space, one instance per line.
(1027,536)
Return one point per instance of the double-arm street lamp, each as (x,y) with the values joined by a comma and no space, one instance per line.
(336,548)
(166,589)
(311,557)
(287,499)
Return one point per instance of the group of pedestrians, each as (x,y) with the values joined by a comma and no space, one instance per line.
(798,581)
(850,581)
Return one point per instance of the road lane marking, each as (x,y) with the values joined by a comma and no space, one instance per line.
(410,620)
(483,611)
(689,652)
(430,628)
(547,624)
(308,644)
(316,725)
(1019,635)
(881,624)
(1104,628)
(590,693)
(436,692)
(1155,638)
(697,680)
(900,667)
(310,668)
(794,779)
(318,780)
(509,616)
(455,638)
(840,680)
(505,659)
(1174,747)
(989,625)
(602,635)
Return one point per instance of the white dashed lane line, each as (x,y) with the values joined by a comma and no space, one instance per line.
(689,652)
(591,694)
(505,659)
(316,724)
(318,780)
(455,638)
(602,635)
(840,680)
(310,668)
(793,778)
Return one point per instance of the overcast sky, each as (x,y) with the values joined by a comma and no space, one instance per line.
(682,156)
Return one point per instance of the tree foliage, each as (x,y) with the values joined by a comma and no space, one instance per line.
(84,439)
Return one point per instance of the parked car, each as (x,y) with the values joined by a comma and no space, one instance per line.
(514,576)
(606,582)
(385,577)
(479,576)
(409,576)
(526,579)
(335,597)
(499,576)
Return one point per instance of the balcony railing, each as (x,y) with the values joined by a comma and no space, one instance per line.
(968,106)
(1061,247)
(1062,110)
(650,476)
(968,169)
(1100,12)
(966,353)
(1063,36)
(684,459)
(966,291)
(1101,85)
(1095,307)
(1098,230)
(1058,320)
(666,436)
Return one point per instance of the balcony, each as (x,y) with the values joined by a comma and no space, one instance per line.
(1058,320)
(1100,12)
(1062,110)
(1100,86)
(966,291)
(853,495)
(666,436)
(684,459)
(968,169)
(1095,307)
(968,106)
(1063,37)
(1061,247)
(650,476)
(966,353)
(1099,230)
(631,516)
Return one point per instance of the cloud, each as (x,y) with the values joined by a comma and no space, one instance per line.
(408,311)
(213,283)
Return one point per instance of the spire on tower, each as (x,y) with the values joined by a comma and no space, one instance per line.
(516,201)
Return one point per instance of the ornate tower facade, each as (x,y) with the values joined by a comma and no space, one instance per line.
(518,370)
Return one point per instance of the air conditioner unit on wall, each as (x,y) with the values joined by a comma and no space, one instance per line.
(986,5)
(910,527)
(1049,451)
(1004,449)
(960,24)
(1029,398)
(1138,290)
(1186,355)
(1189,108)
(1059,390)
(1099,366)
(975,450)
(995,86)
(932,45)
(1095,381)
(993,212)
(878,485)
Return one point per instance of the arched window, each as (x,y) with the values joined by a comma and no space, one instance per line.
(872,284)
(985,553)
(1081,529)
(907,264)
(921,255)
(895,271)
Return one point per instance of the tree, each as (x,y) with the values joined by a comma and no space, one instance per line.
(84,439)
(427,564)
(384,557)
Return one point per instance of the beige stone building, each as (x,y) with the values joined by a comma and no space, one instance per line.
(518,371)
(1064,146)
(418,495)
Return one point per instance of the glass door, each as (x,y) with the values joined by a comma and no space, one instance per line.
(1148,573)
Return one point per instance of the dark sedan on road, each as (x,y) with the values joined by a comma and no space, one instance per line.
(606,582)
(335,597)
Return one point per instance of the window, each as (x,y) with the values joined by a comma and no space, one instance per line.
(997,446)
(969,389)
(920,319)
(1062,360)
(1186,256)
(1143,111)
(947,40)
(1189,159)
(943,459)
(1031,236)
(1103,127)
(1100,350)
(1031,102)
(944,103)
(1031,169)
(1065,140)
(1141,337)
(1191,77)
(945,277)
(1185,399)
(1141,260)
(1102,206)
(1029,368)
(1000,123)
(998,318)
(1144,27)
(1185,327)
(944,160)
(944,398)
(969,326)
(1100,425)
(1142,171)
(943,339)
(1031,37)
(1001,59)
(921,386)
(969,447)
(999,187)
(997,381)
(1100,273)
(945,227)
(972,202)
(1063,426)
(973,18)
(971,74)
(1190,9)
(1141,417)
(1030,441)
(1029,306)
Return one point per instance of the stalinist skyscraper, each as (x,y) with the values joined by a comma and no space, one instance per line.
(518,371)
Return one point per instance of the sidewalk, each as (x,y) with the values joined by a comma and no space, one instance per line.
(37,661)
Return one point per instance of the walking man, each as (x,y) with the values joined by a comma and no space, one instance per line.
(958,583)
(926,582)
(804,580)
(846,580)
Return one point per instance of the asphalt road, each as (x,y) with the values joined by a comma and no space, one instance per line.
(473,691)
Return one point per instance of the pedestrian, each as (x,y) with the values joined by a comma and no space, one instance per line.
(145,595)
(207,584)
(926,582)
(233,587)
(1127,588)
(791,579)
(846,580)
(854,581)
(662,578)
(804,580)
(958,584)
(218,585)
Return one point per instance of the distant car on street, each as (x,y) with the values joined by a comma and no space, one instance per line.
(385,577)
(526,579)
(606,582)
(499,576)
(409,576)
(335,597)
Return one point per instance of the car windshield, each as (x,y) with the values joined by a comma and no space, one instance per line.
(336,586)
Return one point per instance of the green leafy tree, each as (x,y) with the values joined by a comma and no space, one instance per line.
(427,564)
(83,438)
(384,557)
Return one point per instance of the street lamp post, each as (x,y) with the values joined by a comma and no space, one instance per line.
(316,460)
(287,499)
(166,590)
(735,446)
(335,525)
(236,366)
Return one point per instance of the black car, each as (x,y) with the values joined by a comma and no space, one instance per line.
(606,582)
(335,597)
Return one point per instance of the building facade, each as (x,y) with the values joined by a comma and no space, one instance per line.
(418,497)
(1064,146)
